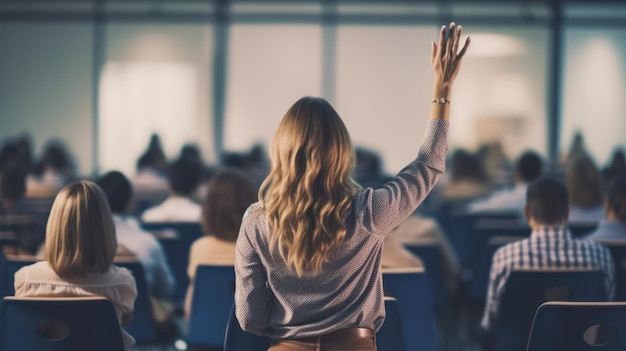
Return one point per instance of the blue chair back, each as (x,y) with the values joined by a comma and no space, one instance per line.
(142,327)
(526,290)
(8,267)
(235,339)
(618,251)
(390,337)
(59,324)
(212,298)
(566,326)
(432,257)
(177,251)
(411,288)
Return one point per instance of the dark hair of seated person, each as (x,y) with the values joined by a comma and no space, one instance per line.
(547,201)
(184,177)
(117,189)
(529,166)
(616,198)
(13,184)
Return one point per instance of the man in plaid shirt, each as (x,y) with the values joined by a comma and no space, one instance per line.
(550,245)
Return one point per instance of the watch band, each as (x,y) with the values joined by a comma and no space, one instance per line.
(441,100)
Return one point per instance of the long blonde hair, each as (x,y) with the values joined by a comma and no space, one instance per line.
(80,235)
(308,193)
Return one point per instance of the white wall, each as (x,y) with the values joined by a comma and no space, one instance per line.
(45,86)
(594,99)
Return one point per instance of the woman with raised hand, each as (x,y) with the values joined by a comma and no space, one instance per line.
(80,247)
(308,254)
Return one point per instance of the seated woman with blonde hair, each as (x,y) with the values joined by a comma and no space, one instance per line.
(79,250)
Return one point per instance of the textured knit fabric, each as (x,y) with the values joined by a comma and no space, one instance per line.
(117,285)
(547,247)
(272,300)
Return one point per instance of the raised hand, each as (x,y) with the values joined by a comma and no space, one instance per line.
(446,57)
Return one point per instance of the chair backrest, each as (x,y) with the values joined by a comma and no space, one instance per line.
(142,327)
(411,288)
(432,257)
(526,290)
(8,267)
(390,336)
(579,326)
(618,251)
(177,251)
(235,339)
(59,324)
(212,298)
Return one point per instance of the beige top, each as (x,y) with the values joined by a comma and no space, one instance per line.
(117,285)
(207,250)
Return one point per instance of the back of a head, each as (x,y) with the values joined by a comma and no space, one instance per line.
(191,153)
(309,187)
(616,198)
(13,184)
(184,177)
(228,196)
(584,183)
(529,166)
(466,166)
(547,201)
(117,189)
(56,156)
(80,235)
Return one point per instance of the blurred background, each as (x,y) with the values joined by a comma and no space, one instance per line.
(103,76)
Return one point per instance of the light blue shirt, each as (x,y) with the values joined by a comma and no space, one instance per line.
(608,229)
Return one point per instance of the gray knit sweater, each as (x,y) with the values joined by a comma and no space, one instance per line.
(272,300)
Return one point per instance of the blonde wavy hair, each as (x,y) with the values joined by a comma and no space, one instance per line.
(80,235)
(308,192)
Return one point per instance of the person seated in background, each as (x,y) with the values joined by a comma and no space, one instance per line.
(550,245)
(614,226)
(183,178)
(617,167)
(79,251)
(31,234)
(150,178)
(143,245)
(585,188)
(467,178)
(528,168)
(229,195)
(54,171)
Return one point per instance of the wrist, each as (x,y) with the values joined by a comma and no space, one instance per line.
(442,90)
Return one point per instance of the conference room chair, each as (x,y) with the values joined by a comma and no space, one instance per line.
(177,251)
(235,339)
(59,324)
(526,290)
(430,253)
(212,298)
(579,326)
(411,288)
(8,266)
(143,326)
(618,251)
(389,337)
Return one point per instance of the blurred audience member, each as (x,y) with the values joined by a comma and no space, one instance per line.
(395,255)
(614,226)
(54,171)
(467,178)
(18,217)
(585,188)
(577,149)
(229,194)
(617,167)
(143,245)
(253,163)
(497,166)
(150,179)
(79,251)
(529,167)
(183,178)
(550,245)
(368,171)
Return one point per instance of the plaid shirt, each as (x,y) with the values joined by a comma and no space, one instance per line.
(547,247)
